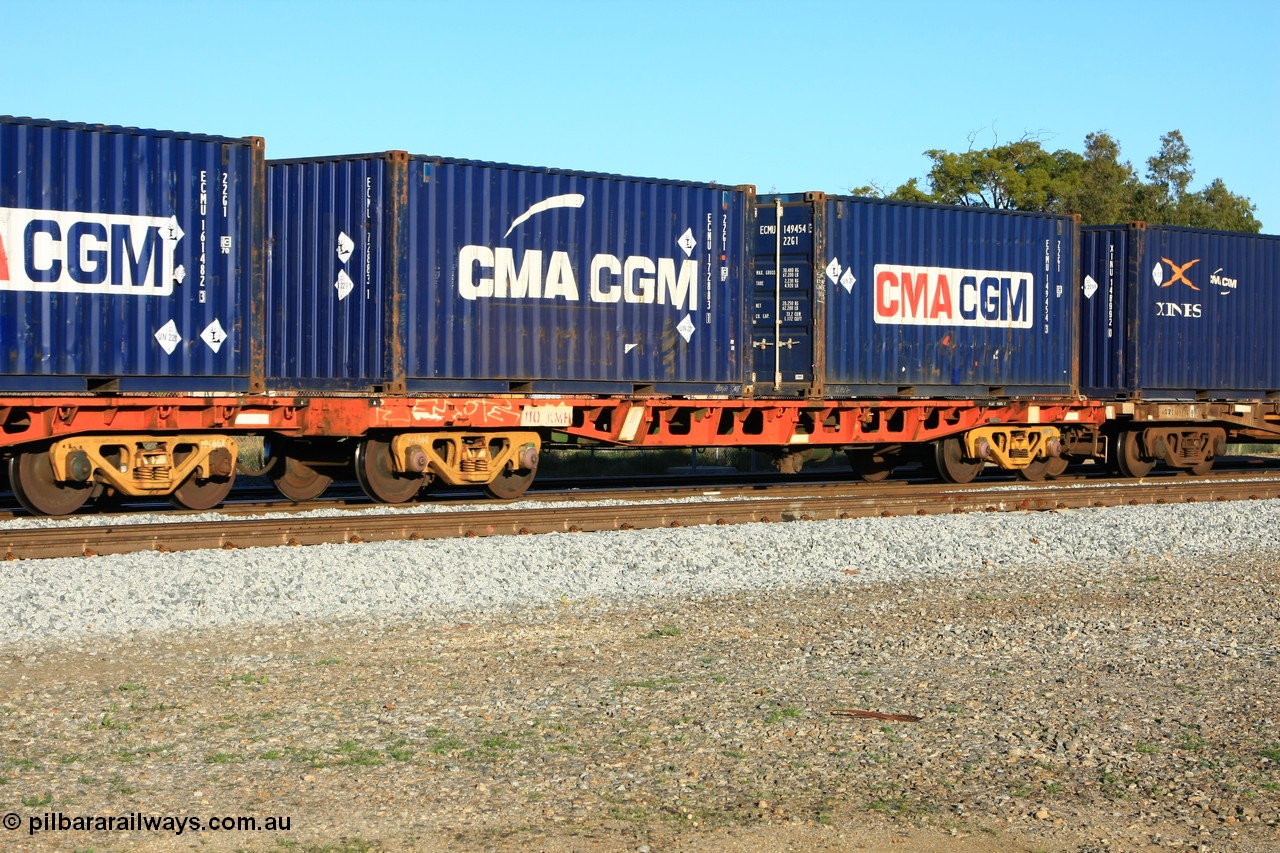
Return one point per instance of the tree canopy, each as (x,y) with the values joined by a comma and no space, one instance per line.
(1096,184)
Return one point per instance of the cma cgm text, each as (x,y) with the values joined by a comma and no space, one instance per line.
(487,273)
(933,296)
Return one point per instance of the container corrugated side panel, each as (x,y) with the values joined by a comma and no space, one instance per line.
(1206,307)
(569,281)
(330,273)
(97,290)
(1023,342)
(1104,311)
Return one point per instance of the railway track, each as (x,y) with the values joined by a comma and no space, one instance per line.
(789,502)
(257,498)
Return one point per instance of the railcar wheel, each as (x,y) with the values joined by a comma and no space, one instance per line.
(200,492)
(376,476)
(953,467)
(510,485)
(33,484)
(1129,456)
(1202,468)
(296,480)
(871,465)
(107,499)
(1043,468)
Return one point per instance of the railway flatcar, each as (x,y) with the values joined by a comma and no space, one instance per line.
(914,309)
(130,264)
(1178,325)
(504,290)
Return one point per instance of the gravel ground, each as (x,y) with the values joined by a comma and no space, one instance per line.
(1089,680)
(158,592)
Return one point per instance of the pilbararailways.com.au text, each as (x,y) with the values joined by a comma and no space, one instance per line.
(140,822)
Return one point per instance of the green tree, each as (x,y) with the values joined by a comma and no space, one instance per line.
(1014,176)
(1098,184)
(1169,201)
(1217,207)
(1104,189)
(1169,173)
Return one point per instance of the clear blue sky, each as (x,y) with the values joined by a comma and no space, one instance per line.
(788,95)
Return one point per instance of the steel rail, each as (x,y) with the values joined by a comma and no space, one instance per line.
(348,497)
(856,501)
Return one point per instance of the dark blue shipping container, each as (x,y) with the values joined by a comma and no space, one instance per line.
(130,259)
(911,300)
(1179,313)
(416,273)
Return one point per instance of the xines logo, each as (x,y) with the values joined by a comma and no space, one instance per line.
(486,272)
(64,252)
(1181,274)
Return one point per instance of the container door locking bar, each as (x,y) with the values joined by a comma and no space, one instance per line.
(777,300)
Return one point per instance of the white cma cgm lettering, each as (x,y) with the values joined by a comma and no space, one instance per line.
(485,273)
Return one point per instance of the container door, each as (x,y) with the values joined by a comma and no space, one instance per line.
(782,300)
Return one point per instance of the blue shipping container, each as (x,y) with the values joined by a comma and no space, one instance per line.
(416,273)
(130,259)
(1179,313)
(912,300)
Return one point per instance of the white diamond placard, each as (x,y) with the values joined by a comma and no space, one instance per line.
(213,335)
(345,247)
(687,242)
(344,284)
(1090,287)
(834,269)
(168,337)
(847,281)
(1157,275)
(685,328)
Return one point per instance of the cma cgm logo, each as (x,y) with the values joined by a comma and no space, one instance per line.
(937,296)
(486,272)
(59,251)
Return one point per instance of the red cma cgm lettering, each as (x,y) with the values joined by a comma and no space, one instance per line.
(938,296)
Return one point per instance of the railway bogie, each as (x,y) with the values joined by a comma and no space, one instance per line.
(1012,447)
(470,458)
(875,463)
(1188,447)
(1044,468)
(59,477)
(302,470)
(297,480)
